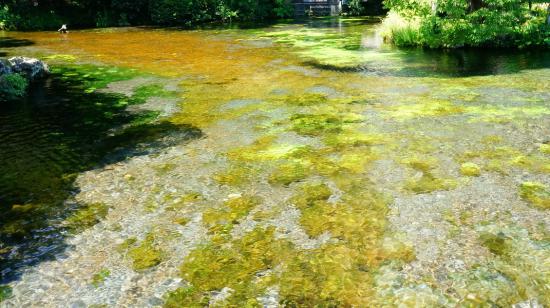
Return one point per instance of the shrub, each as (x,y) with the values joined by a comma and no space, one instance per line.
(454,24)
(12,87)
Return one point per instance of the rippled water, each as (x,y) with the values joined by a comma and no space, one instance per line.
(295,164)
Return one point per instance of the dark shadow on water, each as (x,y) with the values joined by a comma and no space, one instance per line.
(450,63)
(9,42)
(45,141)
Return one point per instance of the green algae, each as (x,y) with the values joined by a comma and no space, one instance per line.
(220,221)
(94,77)
(236,175)
(428,108)
(288,173)
(126,245)
(521,262)
(182,221)
(5,292)
(86,216)
(315,124)
(537,194)
(544,148)
(61,57)
(496,243)
(142,93)
(338,274)
(212,267)
(351,138)
(99,278)
(427,182)
(146,254)
(165,168)
(470,169)
(309,193)
(306,99)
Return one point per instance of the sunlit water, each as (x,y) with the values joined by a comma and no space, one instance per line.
(293,165)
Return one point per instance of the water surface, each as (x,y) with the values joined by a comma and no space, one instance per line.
(295,164)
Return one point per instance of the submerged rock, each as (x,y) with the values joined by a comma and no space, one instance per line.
(31,68)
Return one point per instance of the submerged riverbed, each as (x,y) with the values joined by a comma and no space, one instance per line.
(295,165)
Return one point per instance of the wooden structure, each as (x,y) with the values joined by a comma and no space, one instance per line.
(304,8)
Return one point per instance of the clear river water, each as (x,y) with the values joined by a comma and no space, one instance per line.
(302,164)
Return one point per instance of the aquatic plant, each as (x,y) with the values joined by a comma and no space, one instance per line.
(12,86)
(99,277)
(537,194)
(288,173)
(428,182)
(5,292)
(146,254)
(470,169)
(86,216)
(307,99)
(142,93)
(311,124)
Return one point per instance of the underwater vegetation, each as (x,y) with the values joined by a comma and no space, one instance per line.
(86,216)
(326,172)
(146,254)
(5,293)
(82,135)
(470,169)
(537,194)
(99,278)
(427,182)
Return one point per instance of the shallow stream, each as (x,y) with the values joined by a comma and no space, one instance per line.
(291,165)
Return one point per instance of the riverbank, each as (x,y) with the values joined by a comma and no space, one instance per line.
(330,169)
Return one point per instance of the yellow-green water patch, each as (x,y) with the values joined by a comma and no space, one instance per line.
(236,175)
(424,108)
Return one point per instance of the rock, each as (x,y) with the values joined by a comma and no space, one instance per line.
(32,68)
(5,67)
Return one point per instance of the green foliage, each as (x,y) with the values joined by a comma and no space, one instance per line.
(12,86)
(283,8)
(8,20)
(356,7)
(25,15)
(225,12)
(451,24)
